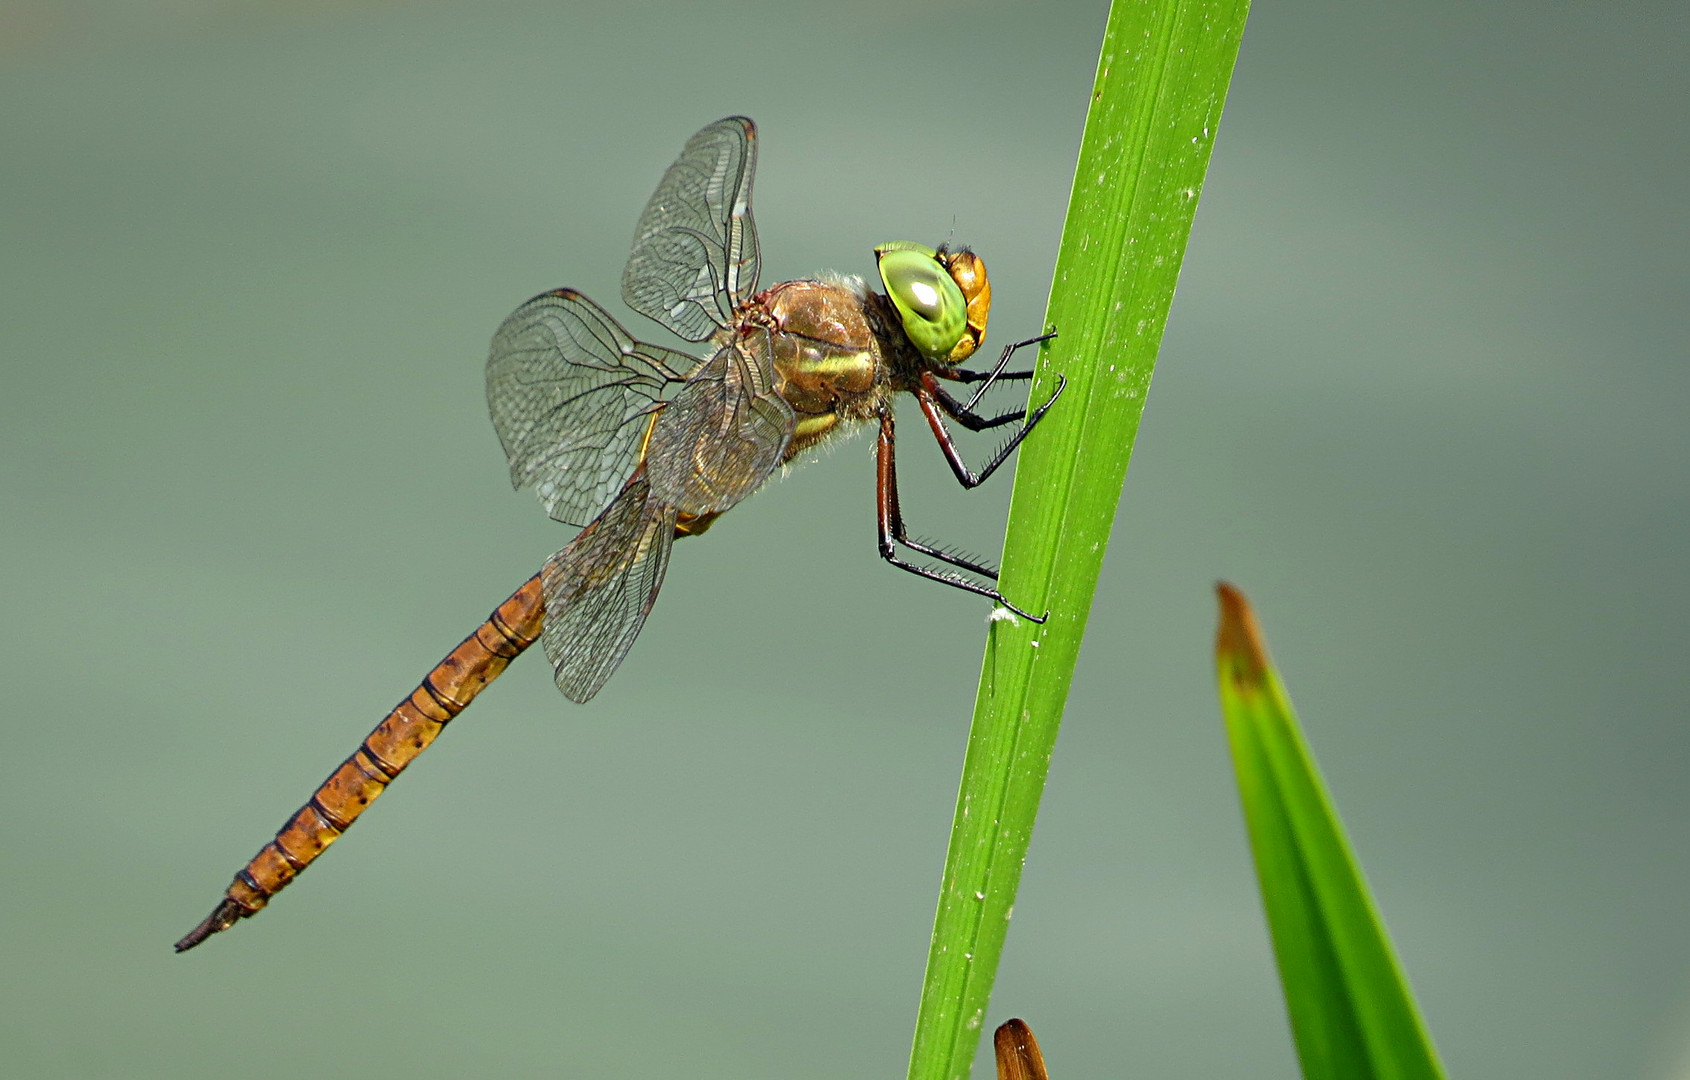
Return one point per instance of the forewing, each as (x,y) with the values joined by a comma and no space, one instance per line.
(723,433)
(571,394)
(695,249)
(600,588)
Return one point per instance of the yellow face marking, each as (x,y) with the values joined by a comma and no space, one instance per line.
(968,270)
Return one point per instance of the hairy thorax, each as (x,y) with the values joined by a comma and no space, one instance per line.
(830,352)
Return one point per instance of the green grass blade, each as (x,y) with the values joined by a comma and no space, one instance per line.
(1352,1013)
(1161,80)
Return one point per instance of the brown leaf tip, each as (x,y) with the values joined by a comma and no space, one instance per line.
(1239,637)
(1018,1052)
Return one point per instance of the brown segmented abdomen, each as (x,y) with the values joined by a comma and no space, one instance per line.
(394,744)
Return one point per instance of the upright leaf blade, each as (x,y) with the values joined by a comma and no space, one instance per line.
(1352,1013)
(1161,80)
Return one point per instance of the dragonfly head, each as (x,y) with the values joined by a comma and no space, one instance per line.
(942,297)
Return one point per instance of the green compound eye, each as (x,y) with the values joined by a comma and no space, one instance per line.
(929,304)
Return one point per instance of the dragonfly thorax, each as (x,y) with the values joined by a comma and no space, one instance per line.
(833,356)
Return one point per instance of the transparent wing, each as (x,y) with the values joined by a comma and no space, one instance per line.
(695,249)
(571,394)
(723,433)
(600,588)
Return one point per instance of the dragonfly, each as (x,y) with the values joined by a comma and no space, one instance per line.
(638,445)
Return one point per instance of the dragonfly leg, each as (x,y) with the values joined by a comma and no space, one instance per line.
(959,412)
(892,532)
(998,374)
(933,399)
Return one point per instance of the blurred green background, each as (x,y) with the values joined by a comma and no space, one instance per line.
(1424,395)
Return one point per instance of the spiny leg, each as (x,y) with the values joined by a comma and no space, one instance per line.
(892,512)
(933,399)
(892,533)
(963,412)
(987,379)
(955,409)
